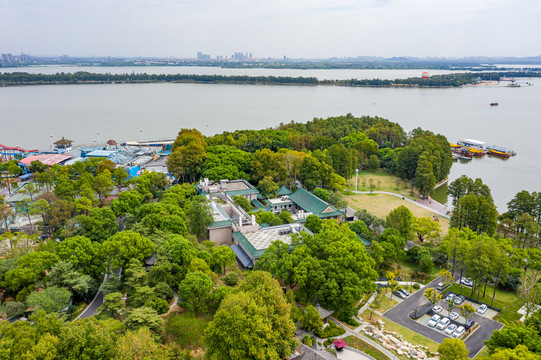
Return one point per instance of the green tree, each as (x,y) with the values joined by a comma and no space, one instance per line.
(63,274)
(84,254)
(267,186)
(120,177)
(194,291)
(425,227)
(114,305)
(260,312)
(311,320)
(144,317)
(188,155)
(103,184)
(453,349)
(177,250)
(52,299)
(424,175)
(242,202)
(512,336)
(126,245)
(200,216)
(223,256)
(313,223)
(401,219)
(530,289)
(392,282)
(30,189)
(141,345)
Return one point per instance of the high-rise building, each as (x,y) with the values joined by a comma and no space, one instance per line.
(202,57)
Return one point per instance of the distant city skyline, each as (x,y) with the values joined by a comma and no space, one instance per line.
(296,29)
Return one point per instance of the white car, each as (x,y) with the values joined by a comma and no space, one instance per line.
(459,331)
(440,286)
(482,309)
(467,281)
(434,320)
(453,316)
(437,309)
(450,329)
(450,297)
(443,323)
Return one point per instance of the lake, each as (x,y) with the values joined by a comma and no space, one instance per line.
(30,115)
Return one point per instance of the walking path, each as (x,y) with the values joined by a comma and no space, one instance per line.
(429,204)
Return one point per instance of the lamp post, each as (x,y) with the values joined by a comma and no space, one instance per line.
(99,143)
(356,177)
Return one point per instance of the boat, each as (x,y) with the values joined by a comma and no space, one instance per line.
(514,84)
(464,157)
(500,151)
(475,147)
(494,104)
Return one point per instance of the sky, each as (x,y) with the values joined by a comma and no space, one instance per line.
(272,28)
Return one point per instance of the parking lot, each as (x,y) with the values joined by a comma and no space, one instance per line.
(474,343)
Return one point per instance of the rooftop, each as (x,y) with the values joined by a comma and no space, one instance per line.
(230,187)
(283,190)
(312,204)
(47,159)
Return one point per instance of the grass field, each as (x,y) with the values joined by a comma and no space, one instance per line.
(383,181)
(382,204)
(383,303)
(504,300)
(483,352)
(365,347)
(187,330)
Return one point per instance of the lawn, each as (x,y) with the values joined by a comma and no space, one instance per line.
(504,300)
(357,343)
(483,352)
(407,334)
(383,181)
(383,303)
(408,271)
(382,204)
(187,330)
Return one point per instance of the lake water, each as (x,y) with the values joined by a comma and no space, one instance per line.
(30,115)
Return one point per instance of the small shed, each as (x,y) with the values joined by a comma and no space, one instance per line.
(324,313)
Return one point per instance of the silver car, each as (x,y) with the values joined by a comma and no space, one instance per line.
(482,309)
(459,331)
(453,316)
(450,329)
(434,320)
(443,323)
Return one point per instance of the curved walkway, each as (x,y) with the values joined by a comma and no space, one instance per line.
(426,207)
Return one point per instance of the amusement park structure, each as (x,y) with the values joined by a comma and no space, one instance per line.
(10,153)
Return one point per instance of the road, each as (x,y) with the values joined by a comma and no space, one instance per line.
(400,315)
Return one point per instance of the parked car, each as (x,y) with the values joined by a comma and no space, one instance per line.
(459,331)
(459,299)
(469,323)
(434,320)
(437,309)
(453,315)
(443,323)
(467,281)
(440,286)
(450,297)
(482,309)
(400,294)
(406,292)
(450,329)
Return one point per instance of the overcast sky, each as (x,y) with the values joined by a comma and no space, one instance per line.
(295,28)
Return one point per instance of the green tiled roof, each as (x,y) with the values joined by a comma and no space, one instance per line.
(247,246)
(242,192)
(283,190)
(219,224)
(311,203)
(365,242)
(259,205)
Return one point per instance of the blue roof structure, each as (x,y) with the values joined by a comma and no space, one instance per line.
(242,256)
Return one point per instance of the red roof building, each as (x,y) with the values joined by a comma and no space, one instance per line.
(47,159)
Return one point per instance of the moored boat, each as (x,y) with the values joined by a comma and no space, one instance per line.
(494,104)
(498,150)
(498,153)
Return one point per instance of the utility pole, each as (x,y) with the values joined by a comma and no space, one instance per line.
(356,177)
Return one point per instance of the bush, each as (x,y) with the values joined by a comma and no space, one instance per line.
(307,340)
(416,286)
(231,279)
(330,330)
